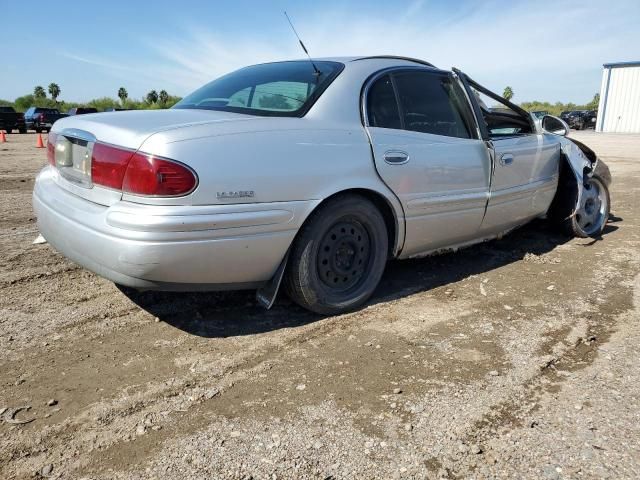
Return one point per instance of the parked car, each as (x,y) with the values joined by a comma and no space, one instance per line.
(310,173)
(81,111)
(586,119)
(567,115)
(577,119)
(41,119)
(11,120)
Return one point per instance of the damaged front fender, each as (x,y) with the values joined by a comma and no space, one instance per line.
(583,164)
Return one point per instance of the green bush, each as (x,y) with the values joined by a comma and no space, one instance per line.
(23,103)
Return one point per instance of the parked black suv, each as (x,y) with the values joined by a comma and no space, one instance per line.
(586,119)
(41,119)
(568,114)
(11,120)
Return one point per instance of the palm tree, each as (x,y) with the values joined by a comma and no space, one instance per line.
(163,97)
(54,91)
(508,93)
(122,94)
(39,92)
(152,96)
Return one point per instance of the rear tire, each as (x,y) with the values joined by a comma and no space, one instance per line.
(338,257)
(38,130)
(23,130)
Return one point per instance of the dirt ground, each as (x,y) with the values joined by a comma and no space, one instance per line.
(517,358)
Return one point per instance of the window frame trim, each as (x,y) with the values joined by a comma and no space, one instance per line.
(391,71)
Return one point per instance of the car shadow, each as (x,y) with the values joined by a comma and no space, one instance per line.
(226,314)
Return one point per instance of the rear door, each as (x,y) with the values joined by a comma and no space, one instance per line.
(427,150)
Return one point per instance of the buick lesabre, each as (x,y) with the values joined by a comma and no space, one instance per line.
(310,173)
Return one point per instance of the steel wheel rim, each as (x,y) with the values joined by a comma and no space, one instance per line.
(592,211)
(344,255)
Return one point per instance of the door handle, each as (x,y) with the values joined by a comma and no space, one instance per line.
(506,159)
(396,157)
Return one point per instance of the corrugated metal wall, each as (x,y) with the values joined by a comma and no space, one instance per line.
(619,109)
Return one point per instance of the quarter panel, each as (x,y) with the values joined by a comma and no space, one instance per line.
(289,159)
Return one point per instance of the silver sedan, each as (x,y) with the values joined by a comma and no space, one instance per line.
(313,174)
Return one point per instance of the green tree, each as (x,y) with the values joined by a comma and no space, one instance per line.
(508,93)
(593,104)
(163,96)
(39,92)
(54,91)
(152,97)
(103,103)
(122,94)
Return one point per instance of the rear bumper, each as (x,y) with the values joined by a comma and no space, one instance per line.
(168,248)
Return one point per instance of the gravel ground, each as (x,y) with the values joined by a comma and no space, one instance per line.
(512,359)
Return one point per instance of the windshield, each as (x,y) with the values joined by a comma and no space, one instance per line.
(274,89)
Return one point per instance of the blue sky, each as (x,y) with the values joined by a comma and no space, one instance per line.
(547,50)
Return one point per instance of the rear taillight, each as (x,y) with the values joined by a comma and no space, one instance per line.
(108,165)
(149,175)
(140,173)
(41,117)
(51,148)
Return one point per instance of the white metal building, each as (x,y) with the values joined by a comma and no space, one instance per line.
(619,108)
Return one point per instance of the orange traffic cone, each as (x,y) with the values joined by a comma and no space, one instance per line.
(39,143)
(2,137)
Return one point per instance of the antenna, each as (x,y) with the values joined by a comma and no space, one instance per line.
(318,72)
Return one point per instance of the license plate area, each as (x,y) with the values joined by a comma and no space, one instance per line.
(73,159)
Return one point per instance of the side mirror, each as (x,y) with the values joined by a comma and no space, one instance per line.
(555,125)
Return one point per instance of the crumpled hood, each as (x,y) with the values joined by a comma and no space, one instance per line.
(130,128)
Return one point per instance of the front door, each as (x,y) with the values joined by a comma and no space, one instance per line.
(427,151)
(526,161)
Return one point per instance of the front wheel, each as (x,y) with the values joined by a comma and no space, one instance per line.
(338,257)
(591,212)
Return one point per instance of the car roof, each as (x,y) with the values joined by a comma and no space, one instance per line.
(372,58)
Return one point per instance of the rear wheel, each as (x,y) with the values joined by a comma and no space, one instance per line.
(23,130)
(7,130)
(339,256)
(38,130)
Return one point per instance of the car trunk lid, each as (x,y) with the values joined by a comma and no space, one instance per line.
(130,128)
(73,140)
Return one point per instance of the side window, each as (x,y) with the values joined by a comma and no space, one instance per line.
(382,108)
(432,103)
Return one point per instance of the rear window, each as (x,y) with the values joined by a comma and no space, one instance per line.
(47,110)
(273,89)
